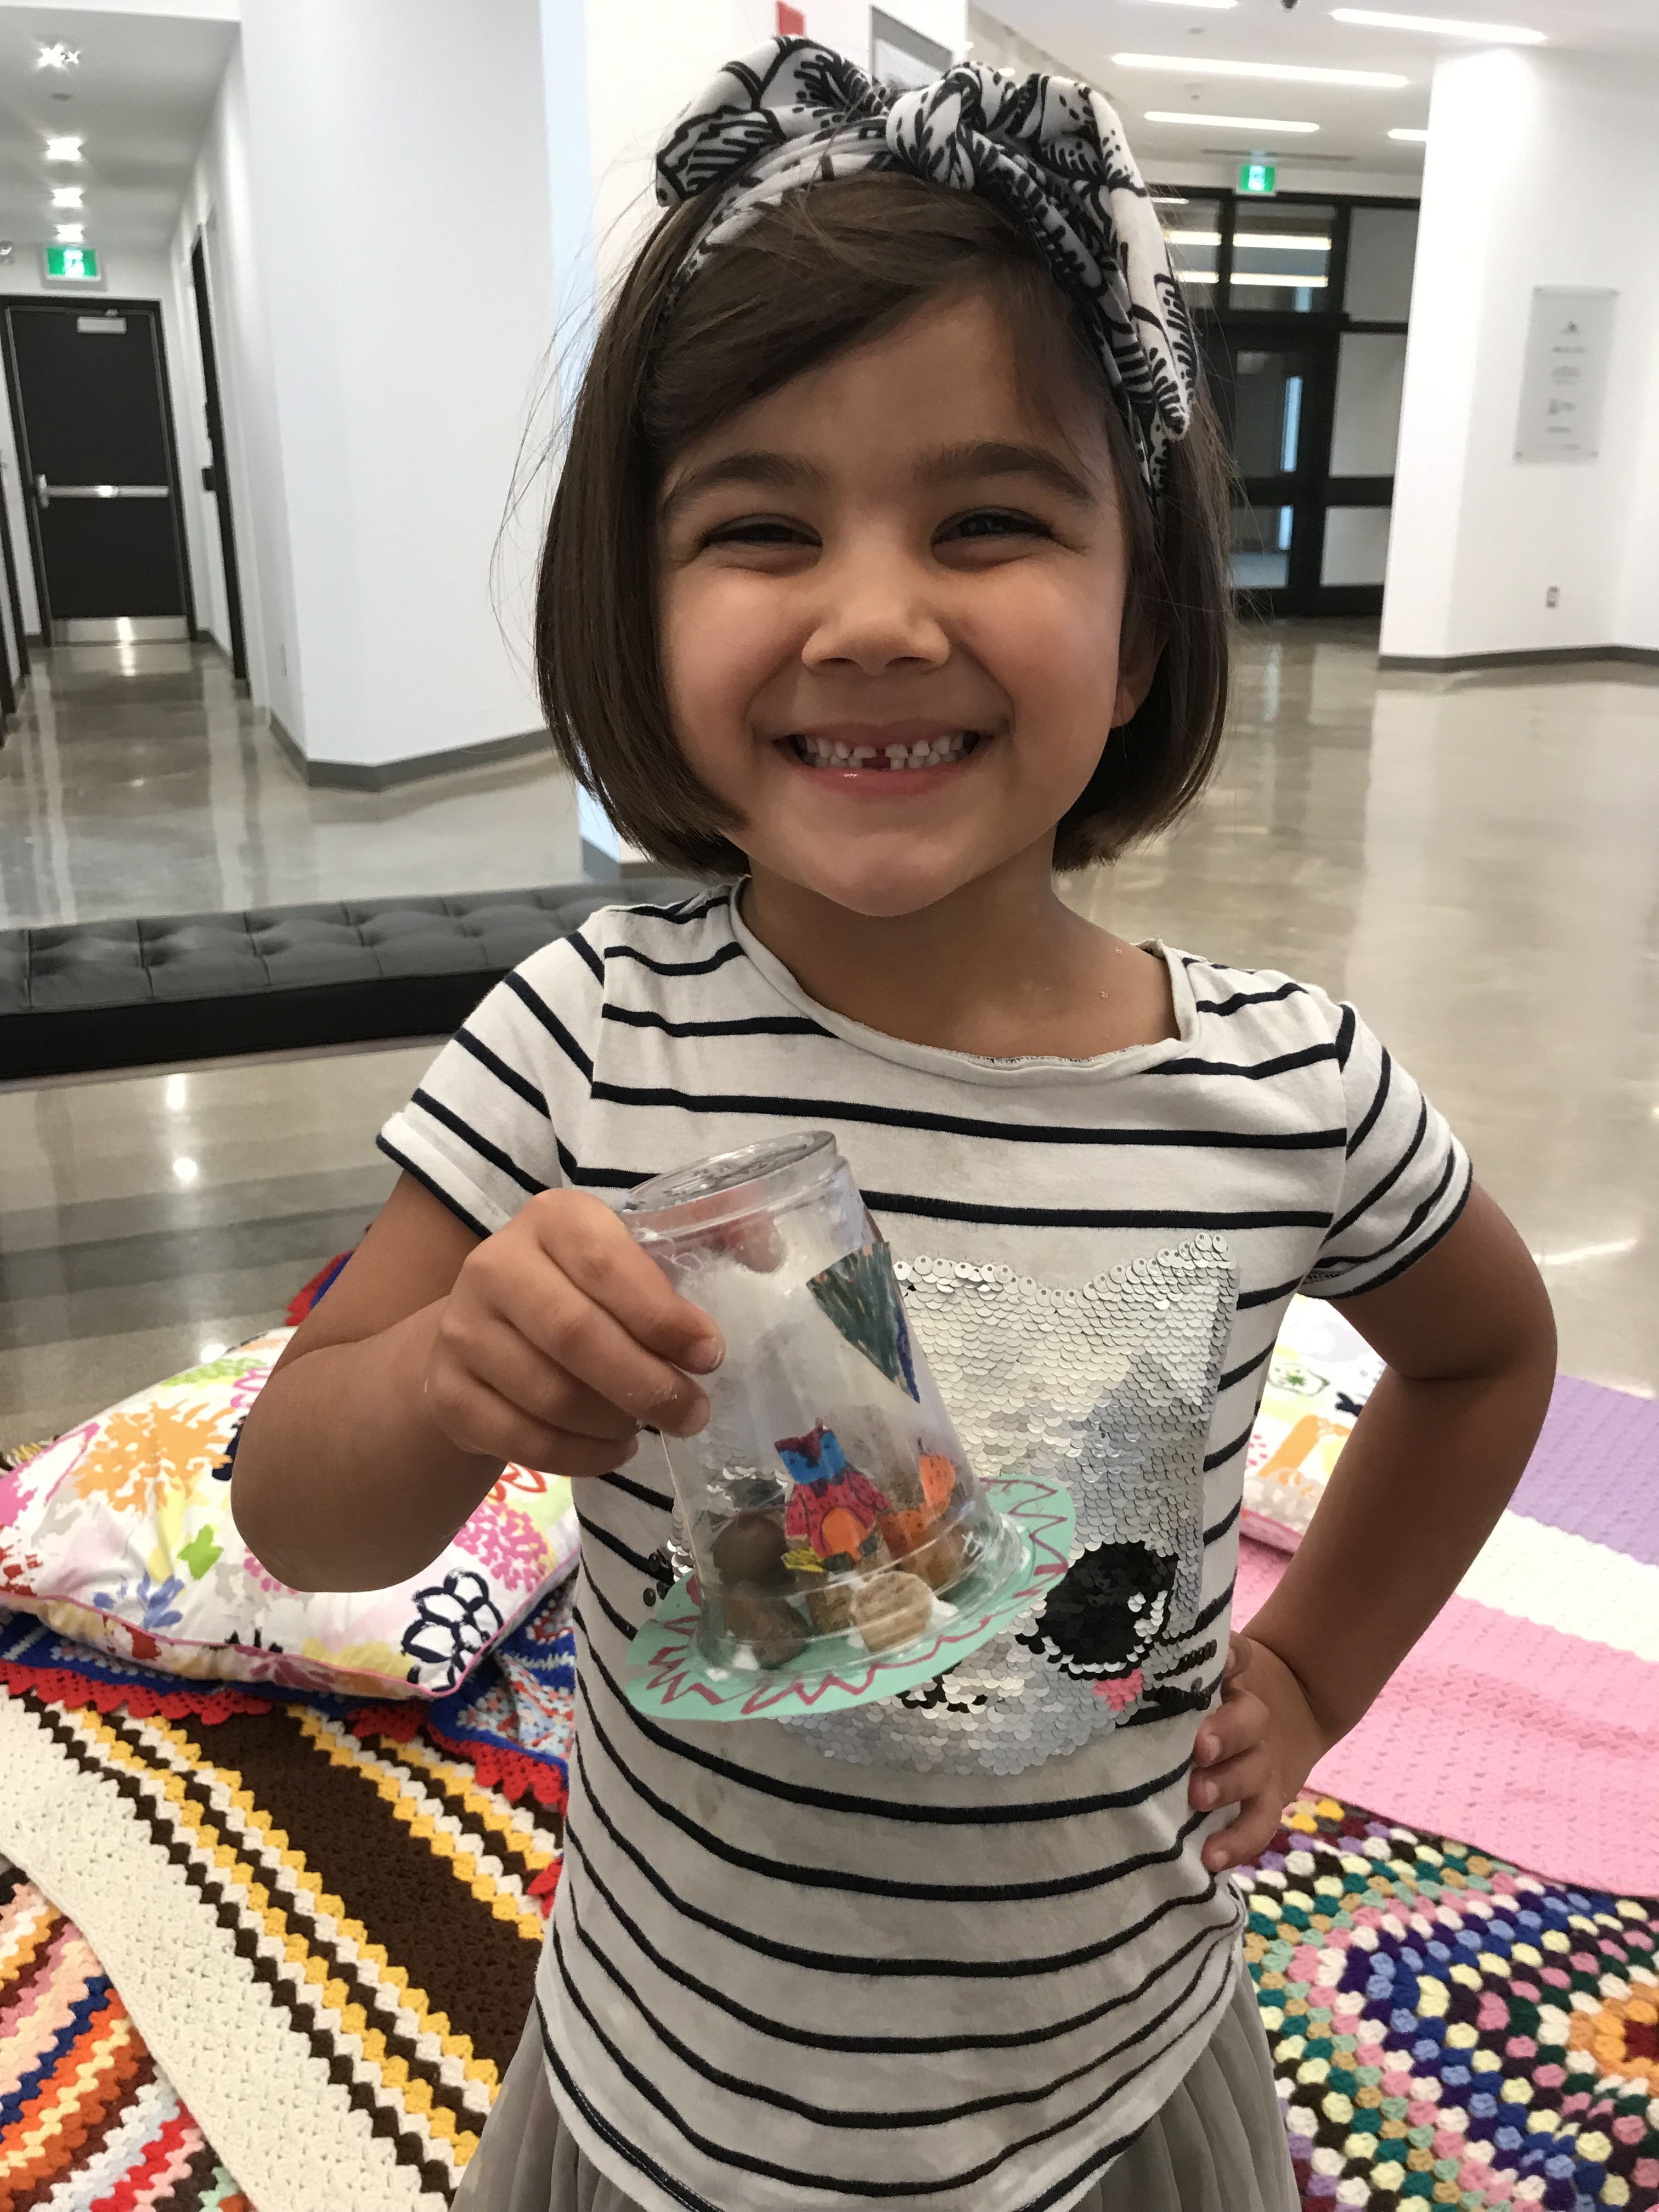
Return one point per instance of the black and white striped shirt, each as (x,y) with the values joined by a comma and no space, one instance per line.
(783,1971)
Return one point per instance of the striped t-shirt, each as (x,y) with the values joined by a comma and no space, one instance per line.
(957,1952)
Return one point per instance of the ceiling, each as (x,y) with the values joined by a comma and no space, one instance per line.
(140,98)
(1353,123)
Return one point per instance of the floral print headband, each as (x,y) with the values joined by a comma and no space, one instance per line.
(1050,152)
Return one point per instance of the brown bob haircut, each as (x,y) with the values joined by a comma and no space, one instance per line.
(827,268)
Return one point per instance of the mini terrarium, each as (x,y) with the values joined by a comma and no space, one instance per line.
(830,1512)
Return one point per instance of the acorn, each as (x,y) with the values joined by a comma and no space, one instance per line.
(940,1561)
(749,1550)
(769,1627)
(891,1609)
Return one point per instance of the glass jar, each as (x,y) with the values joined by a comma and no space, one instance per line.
(829,1508)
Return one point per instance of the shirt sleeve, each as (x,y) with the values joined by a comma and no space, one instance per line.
(492,1121)
(1405,1179)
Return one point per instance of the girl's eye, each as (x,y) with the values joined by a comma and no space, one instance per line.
(759,530)
(995,522)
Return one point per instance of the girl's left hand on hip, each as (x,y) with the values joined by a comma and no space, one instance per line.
(1254,1751)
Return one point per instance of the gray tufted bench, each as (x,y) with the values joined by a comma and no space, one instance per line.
(130,993)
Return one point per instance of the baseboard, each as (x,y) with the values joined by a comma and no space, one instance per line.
(288,742)
(1548,656)
(605,868)
(386,775)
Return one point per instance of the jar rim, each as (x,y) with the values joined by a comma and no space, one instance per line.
(778,1171)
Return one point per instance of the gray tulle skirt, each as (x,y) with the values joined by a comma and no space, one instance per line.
(1217,2146)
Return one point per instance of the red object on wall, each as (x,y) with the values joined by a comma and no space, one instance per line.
(792,22)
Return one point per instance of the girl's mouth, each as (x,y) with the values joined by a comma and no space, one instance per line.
(923,752)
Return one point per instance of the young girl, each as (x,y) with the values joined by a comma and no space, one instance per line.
(884,577)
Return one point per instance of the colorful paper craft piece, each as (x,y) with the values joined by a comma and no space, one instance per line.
(833,1510)
(859,1295)
(909,1527)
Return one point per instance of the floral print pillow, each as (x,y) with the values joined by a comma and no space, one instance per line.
(1322,1372)
(121,1533)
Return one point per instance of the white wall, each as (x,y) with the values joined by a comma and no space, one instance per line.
(128,276)
(397,205)
(616,78)
(219,205)
(1542,170)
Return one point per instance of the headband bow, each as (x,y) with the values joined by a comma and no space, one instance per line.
(1050,152)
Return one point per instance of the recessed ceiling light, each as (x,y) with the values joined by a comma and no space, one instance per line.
(1179,199)
(66,195)
(59,57)
(1226,122)
(1191,3)
(1444,26)
(1411,137)
(1280,241)
(71,233)
(62,149)
(1262,72)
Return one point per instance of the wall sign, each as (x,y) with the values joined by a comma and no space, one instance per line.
(1564,382)
(72,264)
(1258,179)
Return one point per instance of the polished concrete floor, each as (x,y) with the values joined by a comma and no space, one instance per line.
(137,780)
(147,1222)
(1474,860)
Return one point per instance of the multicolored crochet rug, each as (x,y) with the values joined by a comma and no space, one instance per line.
(1447,2030)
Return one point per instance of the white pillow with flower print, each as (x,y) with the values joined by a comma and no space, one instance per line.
(121,1533)
(1322,1373)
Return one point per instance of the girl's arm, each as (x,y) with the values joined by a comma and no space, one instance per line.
(1469,1341)
(435,1358)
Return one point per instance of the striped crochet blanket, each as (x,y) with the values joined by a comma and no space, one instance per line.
(224,1887)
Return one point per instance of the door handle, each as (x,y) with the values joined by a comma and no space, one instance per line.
(42,490)
(47,492)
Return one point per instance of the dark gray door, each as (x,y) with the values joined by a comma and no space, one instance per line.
(88,385)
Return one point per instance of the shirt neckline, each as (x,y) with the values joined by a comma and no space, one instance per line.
(972,1067)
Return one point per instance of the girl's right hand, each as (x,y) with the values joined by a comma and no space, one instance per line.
(560,1338)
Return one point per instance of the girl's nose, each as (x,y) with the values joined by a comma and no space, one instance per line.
(875,613)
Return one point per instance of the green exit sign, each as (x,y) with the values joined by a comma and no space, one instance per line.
(1259,179)
(72,264)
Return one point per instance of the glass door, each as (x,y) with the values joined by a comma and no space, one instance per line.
(1301,304)
(1273,392)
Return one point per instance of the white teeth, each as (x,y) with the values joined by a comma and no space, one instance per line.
(925,752)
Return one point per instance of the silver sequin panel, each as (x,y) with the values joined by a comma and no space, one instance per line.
(1111,1387)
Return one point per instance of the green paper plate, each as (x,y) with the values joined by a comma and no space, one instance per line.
(669,1673)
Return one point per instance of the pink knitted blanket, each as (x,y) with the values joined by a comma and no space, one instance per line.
(1528,1718)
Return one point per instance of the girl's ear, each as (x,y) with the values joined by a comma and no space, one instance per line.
(1140,647)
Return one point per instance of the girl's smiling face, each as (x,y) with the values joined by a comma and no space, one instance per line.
(891,608)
